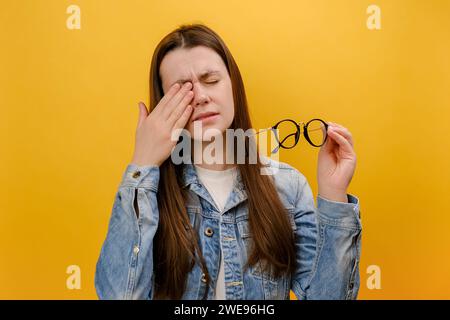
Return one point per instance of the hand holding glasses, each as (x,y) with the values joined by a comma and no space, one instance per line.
(287,132)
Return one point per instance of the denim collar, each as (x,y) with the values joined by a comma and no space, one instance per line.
(190,179)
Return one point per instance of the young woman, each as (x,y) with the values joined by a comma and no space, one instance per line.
(221,230)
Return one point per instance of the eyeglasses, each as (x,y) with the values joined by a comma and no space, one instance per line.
(287,132)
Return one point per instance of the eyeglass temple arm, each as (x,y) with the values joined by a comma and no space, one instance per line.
(267,129)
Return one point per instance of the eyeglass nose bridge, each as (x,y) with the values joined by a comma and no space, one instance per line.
(301,126)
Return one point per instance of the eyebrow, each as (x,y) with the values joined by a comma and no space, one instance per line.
(204,75)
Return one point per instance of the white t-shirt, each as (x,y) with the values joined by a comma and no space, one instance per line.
(219,184)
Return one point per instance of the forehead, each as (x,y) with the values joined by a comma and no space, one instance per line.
(184,63)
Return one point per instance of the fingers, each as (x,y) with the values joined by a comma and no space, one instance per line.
(183,119)
(167,97)
(340,139)
(342,131)
(177,99)
(178,112)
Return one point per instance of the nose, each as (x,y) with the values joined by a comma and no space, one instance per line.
(200,95)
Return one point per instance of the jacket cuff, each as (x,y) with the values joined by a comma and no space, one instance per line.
(340,213)
(141,177)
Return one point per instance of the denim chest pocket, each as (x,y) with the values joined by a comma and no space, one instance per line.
(192,212)
(244,227)
(274,288)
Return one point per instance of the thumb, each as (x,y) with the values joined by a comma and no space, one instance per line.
(142,112)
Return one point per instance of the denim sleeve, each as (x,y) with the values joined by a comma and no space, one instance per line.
(328,244)
(124,269)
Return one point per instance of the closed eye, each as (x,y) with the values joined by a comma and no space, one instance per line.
(212,82)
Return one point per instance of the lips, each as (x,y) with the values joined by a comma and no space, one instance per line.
(204,115)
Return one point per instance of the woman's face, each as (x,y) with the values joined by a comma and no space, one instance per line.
(211,85)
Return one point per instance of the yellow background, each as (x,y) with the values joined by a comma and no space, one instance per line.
(69,109)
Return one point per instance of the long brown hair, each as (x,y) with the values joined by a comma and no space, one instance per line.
(176,247)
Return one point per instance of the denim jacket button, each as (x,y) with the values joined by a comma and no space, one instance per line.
(203,277)
(136,249)
(209,232)
(136,174)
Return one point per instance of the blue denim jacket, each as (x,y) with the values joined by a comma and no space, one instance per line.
(327,239)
